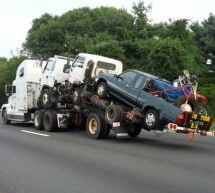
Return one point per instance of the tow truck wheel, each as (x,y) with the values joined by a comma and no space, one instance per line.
(5,118)
(96,126)
(101,90)
(38,120)
(151,119)
(50,121)
(114,114)
(46,99)
(133,130)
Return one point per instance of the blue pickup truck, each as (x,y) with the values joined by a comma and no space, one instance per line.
(133,89)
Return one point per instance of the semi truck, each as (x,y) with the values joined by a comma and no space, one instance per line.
(71,97)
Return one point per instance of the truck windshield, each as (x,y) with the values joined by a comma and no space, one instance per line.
(79,61)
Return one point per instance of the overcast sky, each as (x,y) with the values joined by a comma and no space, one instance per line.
(16,15)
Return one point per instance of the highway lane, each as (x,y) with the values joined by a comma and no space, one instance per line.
(68,161)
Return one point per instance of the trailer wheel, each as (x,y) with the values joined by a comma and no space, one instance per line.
(95,126)
(38,120)
(133,130)
(151,119)
(113,114)
(5,117)
(191,105)
(46,99)
(50,121)
(101,90)
(76,96)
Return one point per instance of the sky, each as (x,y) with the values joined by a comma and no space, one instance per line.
(16,15)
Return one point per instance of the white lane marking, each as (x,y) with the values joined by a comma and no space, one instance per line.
(44,135)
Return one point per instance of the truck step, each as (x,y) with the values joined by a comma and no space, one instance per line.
(120,131)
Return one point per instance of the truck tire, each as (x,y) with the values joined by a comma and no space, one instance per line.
(50,121)
(106,128)
(192,104)
(38,120)
(46,99)
(101,90)
(76,96)
(133,130)
(5,118)
(113,114)
(151,119)
(96,127)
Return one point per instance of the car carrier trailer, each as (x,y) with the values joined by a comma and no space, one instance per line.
(98,115)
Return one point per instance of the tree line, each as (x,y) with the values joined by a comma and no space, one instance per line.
(163,49)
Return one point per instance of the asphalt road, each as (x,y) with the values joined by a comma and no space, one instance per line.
(70,162)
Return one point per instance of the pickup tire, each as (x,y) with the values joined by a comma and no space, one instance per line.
(38,120)
(50,121)
(76,96)
(46,99)
(101,90)
(151,119)
(192,103)
(114,114)
(133,130)
(5,118)
(96,126)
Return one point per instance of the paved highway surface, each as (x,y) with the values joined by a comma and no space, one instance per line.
(69,162)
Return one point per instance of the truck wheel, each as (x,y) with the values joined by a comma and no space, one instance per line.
(151,119)
(106,128)
(112,114)
(38,120)
(50,121)
(76,96)
(46,99)
(133,130)
(95,126)
(5,118)
(191,105)
(101,90)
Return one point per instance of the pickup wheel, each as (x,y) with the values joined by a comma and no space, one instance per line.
(46,99)
(133,130)
(76,96)
(101,90)
(50,121)
(191,105)
(151,119)
(96,126)
(5,118)
(38,120)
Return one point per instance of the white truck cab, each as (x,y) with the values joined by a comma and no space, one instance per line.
(100,64)
(56,71)
(23,92)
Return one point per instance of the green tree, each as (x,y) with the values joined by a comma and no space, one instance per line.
(205,36)
(8,74)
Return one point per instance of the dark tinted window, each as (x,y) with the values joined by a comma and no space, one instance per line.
(21,72)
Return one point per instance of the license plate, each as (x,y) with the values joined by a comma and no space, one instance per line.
(201,122)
